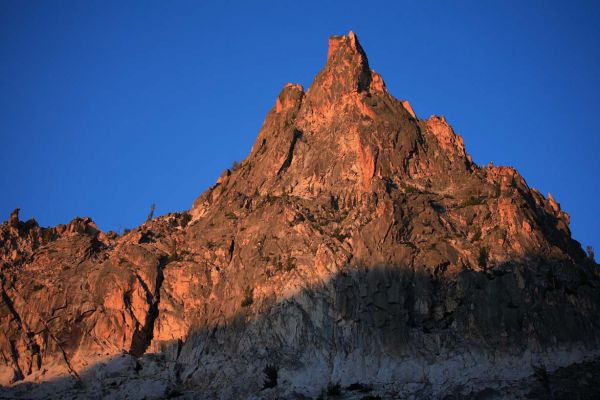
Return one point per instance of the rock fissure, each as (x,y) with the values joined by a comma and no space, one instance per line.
(143,335)
(290,155)
(14,353)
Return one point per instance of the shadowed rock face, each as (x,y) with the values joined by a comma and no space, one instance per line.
(356,243)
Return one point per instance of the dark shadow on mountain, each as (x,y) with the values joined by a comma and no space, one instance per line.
(334,332)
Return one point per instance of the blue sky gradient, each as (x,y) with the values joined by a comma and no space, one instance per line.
(107,106)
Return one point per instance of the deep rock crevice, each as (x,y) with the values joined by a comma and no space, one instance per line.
(297,134)
(142,337)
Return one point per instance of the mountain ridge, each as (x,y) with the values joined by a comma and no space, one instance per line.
(355,243)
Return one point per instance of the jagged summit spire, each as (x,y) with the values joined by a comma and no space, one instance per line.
(346,45)
(347,70)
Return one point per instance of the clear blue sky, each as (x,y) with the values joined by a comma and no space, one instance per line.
(109,106)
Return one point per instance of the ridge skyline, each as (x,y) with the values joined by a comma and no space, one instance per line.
(124,211)
(356,244)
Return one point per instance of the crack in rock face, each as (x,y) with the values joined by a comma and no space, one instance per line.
(142,337)
(358,250)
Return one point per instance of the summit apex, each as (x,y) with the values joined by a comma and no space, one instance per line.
(346,43)
(346,71)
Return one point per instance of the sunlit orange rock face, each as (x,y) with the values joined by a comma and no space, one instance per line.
(355,243)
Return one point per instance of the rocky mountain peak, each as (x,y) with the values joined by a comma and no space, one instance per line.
(347,71)
(345,43)
(348,63)
(14,218)
(345,136)
(355,244)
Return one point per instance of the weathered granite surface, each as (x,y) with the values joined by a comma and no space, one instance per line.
(356,244)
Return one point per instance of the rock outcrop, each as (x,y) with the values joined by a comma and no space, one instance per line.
(356,245)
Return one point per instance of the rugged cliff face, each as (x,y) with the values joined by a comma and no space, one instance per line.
(356,243)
